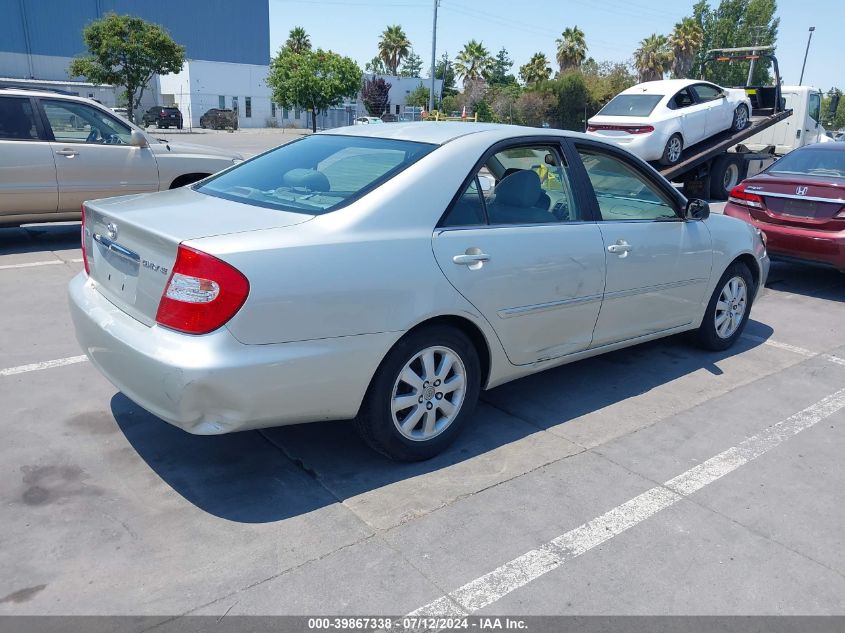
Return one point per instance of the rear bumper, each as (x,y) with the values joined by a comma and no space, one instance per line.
(792,242)
(213,384)
(649,146)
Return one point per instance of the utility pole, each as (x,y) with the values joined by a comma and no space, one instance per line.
(757,30)
(433,60)
(809,39)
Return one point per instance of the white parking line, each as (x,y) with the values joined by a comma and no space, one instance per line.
(795,349)
(520,571)
(47,364)
(49,262)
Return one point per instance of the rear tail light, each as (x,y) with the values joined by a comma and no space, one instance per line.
(841,213)
(82,240)
(630,129)
(202,294)
(743,198)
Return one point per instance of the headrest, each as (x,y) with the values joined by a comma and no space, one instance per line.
(521,189)
(310,179)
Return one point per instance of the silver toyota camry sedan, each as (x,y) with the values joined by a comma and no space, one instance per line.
(388,273)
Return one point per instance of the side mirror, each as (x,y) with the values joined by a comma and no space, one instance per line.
(137,139)
(697,210)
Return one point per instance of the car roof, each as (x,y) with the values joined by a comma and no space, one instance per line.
(663,86)
(440,132)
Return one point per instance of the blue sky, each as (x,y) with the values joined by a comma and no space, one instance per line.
(613,28)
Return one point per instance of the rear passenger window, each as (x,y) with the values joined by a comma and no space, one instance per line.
(518,185)
(17,122)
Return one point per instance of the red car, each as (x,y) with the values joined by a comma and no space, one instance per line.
(799,204)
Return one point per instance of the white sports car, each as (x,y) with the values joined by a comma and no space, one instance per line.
(656,120)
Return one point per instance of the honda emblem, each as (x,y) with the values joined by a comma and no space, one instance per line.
(801,191)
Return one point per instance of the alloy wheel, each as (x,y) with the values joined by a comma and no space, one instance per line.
(428,394)
(675,147)
(731,306)
(741,119)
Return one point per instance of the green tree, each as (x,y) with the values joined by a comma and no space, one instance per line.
(736,23)
(315,80)
(473,63)
(604,81)
(534,108)
(376,67)
(376,96)
(444,70)
(298,40)
(418,97)
(500,67)
(572,100)
(571,49)
(653,58)
(412,66)
(537,69)
(837,121)
(127,51)
(393,47)
(685,41)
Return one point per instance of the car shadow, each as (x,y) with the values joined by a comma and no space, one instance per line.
(39,237)
(273,474)
(807,280)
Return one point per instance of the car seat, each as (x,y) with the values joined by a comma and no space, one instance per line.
(519,200)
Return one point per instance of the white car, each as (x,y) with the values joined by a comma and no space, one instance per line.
(56,151)
(656,120)
(388,273)
(368,120)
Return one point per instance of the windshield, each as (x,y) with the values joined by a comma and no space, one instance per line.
(631,105)
(317,174)
(811,162)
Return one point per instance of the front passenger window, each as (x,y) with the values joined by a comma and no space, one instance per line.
(622,192)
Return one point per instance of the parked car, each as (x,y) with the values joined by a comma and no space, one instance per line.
(368,273)
(656,120)
(121,112)
(162,117)
(389,118)
(219,119)
(57,151)
(799,204)
(367,120)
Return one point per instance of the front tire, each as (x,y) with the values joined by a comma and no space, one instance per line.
(740,121)
(422,395)
(672,151)
(728,310)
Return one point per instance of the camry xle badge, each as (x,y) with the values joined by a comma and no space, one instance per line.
(801,191)
(111,227)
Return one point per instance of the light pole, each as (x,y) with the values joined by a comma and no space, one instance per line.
(809,39)
(433,60)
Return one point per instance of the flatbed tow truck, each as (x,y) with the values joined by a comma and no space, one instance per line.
(711,168)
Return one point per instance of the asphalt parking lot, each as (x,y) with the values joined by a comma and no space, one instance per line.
(655,480)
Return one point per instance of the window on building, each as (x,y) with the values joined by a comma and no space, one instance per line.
(248,107)
(285,113)
(235,104)
(296,113)
(272,109)
(221,102)
(397,108)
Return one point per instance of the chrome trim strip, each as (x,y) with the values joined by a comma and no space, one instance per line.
(668,286)
(543,307)
(117,248)
(792,196)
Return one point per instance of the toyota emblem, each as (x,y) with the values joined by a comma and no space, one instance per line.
(111,227)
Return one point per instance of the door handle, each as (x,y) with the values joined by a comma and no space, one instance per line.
(621,248)
(67,152)
(471,259)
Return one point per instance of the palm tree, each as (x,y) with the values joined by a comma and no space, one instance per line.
(571,48)
(653,58)
(474,62)
(685,41)
(537,69)
(298,40)
(393,47)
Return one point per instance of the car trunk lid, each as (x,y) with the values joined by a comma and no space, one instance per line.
(131,241)
(806,201)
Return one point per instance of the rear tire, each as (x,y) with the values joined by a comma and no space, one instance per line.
(740,121)
(673,150)
(728,310)
(725,174)
(422,395)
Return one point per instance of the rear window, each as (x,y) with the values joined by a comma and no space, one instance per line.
(631,105)
(317,174)
(811,162)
